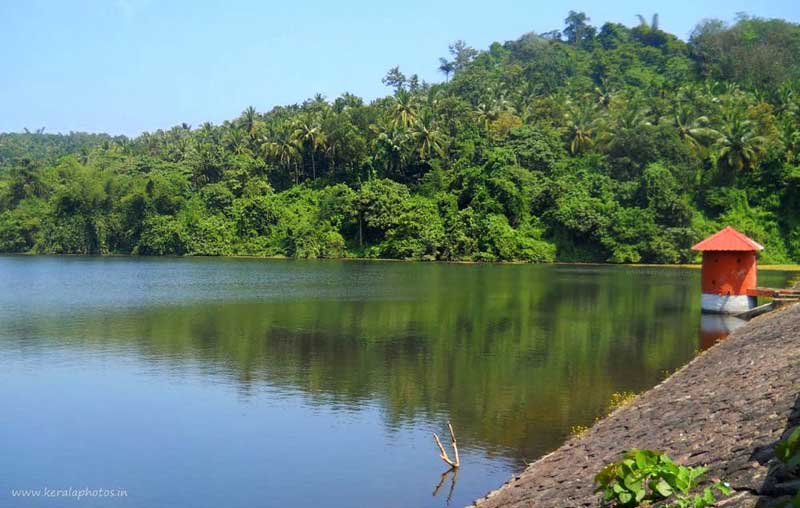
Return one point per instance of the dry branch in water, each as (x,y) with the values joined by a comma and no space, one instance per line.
(454,464)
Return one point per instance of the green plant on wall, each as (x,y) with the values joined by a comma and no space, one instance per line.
(646,476)
(788,452)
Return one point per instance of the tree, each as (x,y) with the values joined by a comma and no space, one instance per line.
(694,131)
(789,133)
(578,31)
(446,68)
(760,53)
(283,147)
(310,134)
(623,145)
(395,79)
(249,121)
(643,22)
(391,149)
(739,146)
(462,55)
(581,124)
(428,139)
(403,109)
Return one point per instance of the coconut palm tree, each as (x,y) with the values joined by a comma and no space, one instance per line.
(653,25)
(236,140)
(694,131)
(739,146)
(248,120)
(282,147)
(446,67)
(403,109)
(206,133)
(581,124)
(309,133)
(427,138)
(605,92)
(631,116)
(487,112)
(390,147)
(485,115)
(789,135)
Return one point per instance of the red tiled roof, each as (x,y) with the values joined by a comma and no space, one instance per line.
(728,239)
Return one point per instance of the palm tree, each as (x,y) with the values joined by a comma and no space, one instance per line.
(404,111)
(739,146)
(206,132)
(605,93)
(151,142)
(694,131)
(446,67)
(653,25)
(248,120)
(427,138)
(392,143)
(236,140)
(283,147)
(789,135)
(786,100)
(309,132)
(631,116)
(581,124)
(623,117)
(178,147)
(485,114)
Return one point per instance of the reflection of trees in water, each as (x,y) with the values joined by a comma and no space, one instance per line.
(513,360)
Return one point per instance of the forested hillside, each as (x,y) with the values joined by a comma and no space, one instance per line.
(609,144)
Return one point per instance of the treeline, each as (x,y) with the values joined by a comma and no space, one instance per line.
(586,144)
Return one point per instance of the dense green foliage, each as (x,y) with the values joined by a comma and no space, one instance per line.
(645,476)
(788,452)
(613,144)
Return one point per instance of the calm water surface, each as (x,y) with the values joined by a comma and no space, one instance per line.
(248,383)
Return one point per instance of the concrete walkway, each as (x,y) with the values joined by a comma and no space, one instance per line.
(726,409)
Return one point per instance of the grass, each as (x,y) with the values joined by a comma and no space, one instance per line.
(783,268)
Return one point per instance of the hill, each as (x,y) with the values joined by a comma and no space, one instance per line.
(617,144)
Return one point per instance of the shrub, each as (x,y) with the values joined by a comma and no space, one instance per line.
(161,235)
(578,430)
(788,452)
(620,399)
(645,476)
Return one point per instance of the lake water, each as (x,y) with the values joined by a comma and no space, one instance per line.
(249,383)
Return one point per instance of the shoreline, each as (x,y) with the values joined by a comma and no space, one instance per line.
(726,409)
(689,266)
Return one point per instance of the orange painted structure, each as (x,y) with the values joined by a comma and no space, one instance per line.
(729,271)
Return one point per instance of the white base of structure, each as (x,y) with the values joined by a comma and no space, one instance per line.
(727,304)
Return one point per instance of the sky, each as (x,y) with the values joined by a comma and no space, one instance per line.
(127,66)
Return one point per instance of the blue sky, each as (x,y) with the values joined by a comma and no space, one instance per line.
(125,66)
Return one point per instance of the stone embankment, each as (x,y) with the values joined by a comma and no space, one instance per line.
(726,409)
